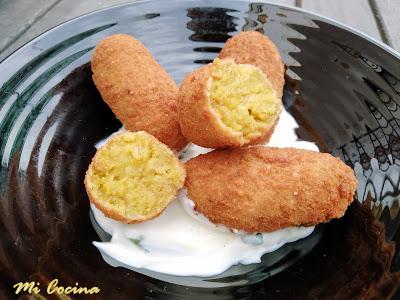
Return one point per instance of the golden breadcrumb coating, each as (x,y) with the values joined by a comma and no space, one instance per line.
(133,177)
(259,189)
(225,104)
(252,47)
(138,90)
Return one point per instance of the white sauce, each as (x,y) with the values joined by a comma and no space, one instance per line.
(183,242)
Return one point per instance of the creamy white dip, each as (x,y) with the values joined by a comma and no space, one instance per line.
(183,242)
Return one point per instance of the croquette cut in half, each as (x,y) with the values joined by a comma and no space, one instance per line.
(254,48)
(259,189)
(137,89)
(225,104)
(133,177)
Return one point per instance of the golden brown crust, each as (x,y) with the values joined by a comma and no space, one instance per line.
(259,189)
(138,90)
(115,213)
(199,124)
(252,47)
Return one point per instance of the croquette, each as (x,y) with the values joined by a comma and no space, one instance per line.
(252,47)
(133,177)
(137,89)
(260,189)
(225,104)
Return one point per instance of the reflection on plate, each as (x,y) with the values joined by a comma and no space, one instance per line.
(341,88)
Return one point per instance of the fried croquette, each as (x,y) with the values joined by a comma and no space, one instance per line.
(133,177)
(137,89)
(252,47)
(225,104)
(259,189)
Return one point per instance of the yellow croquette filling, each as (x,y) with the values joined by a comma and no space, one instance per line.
(243,98)
(133,174)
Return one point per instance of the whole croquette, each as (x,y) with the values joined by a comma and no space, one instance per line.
(259,189)
(252,47)
(225,104)
(133,177)
(138,90)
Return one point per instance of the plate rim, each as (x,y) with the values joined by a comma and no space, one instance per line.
(332,21)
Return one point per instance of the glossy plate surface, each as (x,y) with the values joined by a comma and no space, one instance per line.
(342,88)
